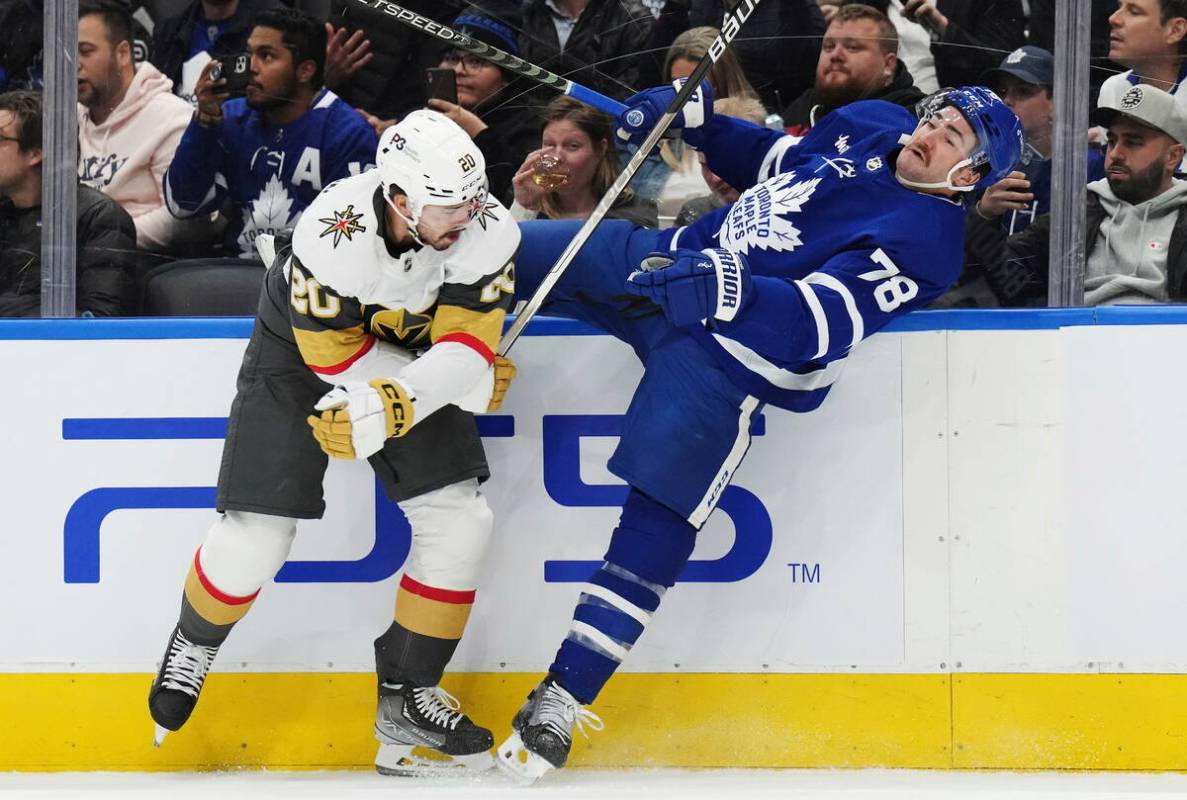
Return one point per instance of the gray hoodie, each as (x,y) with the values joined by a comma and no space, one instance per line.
(1128,263)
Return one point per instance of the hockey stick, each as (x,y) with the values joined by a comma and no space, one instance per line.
(729,29)
(497,57)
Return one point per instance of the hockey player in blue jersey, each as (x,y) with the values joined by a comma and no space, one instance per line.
(758,302)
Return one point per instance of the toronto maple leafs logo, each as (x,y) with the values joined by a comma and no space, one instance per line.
(759,218)
(271,212)
(342,224)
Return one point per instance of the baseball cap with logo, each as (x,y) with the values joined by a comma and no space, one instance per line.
(1148,105)
(1030,64)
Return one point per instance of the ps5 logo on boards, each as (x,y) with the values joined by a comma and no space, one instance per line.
(562,466)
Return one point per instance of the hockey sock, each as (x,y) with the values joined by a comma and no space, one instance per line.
(208,614)
(242,551)
(647,552)
(428,626)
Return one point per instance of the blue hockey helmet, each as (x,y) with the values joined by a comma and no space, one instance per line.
(998,132)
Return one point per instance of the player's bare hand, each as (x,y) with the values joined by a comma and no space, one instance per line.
(211,94)
(527,193)
(926,14)
(829,10)
(468,120)
(1011,193)
(345,55)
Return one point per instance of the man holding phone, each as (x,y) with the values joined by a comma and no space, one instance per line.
(271,151)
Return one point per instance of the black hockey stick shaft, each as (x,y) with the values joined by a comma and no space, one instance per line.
(729,29)
(496,56)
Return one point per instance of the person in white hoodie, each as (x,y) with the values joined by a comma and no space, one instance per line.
(1136,229)
(129,126)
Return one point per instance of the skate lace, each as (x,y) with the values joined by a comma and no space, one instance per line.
(560,712)
(438,706)
(187,665)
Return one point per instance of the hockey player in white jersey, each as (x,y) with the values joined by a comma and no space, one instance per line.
(375,339)
(758,302)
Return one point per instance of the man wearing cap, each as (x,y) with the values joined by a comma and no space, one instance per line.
(1024,80)
(1136,232)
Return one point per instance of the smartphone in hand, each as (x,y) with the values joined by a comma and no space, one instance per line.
(236,68)
(442,84)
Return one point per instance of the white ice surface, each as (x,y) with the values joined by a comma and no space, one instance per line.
(712,784)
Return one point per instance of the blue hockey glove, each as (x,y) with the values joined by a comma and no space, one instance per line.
(645,109)
(694,285)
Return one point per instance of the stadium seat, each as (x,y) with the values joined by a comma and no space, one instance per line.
(197,287)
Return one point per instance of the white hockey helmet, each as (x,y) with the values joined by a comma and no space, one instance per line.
(433,162)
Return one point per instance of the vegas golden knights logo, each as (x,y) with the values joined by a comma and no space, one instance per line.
(400,326)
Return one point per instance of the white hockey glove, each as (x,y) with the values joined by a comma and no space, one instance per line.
(357,418)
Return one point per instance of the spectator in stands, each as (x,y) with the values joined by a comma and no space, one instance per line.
(502,126)
(581,139)
(1150,38)
(105,235)
(392,82)
(1025,80)
(858,61)
(1137,231)
(129,123)
(726,76)
(20,44)
(683,179)
(183,45)
(968,36)
(272,151)
(721,193)
(777,47)
(593,42)
(914,41)
(1041,33)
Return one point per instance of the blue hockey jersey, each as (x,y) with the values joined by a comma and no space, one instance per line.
(837,247)
(269,174)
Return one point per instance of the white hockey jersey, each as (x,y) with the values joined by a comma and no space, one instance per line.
(359,310)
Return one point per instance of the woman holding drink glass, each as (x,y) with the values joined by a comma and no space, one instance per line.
(576,163)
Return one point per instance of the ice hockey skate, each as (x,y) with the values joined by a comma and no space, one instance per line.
(175,691)
(422,733)
(542,732)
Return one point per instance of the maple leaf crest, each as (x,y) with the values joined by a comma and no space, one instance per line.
(759,218)
(271,212)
